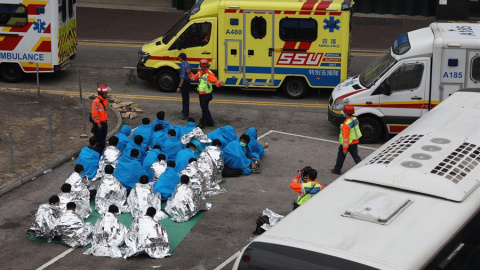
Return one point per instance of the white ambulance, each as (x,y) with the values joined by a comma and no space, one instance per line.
(32,32)
(421,69)
(412,204)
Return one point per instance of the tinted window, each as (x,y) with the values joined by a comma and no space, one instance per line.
(476,69)
(13,15)
(258,27)
(406,77)
(64,10)
(196,35)
(70,8)
(298,29)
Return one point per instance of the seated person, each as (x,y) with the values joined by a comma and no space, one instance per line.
(159,167)
(129,170)
(195,175)
(110,156)
(182,130)
(306,185)
(123,137)
(108,235)
(77,182)
(235,154)
(172,146)
(89,158)
(167,182)
(211,164)
(255,149)
(111,191)
(161,120)
(44,223)
(137,143)
(74,233)
(184,156)
(147,236)
(184,203)
(144,130)
(152,157)
(225,134)
(83,207)
(159,136)
(142,197)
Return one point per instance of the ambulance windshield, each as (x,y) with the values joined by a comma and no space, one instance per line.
(376,69)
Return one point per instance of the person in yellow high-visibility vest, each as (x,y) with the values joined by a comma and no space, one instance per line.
(349,138)
(306,185)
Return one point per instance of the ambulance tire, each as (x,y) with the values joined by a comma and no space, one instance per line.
(371,130)
(167,80)
(11,72)
(295,87)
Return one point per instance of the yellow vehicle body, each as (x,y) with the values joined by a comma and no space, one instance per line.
(296,45)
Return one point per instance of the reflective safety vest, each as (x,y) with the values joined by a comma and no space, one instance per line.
(354,133)
(308,190)
(204,85)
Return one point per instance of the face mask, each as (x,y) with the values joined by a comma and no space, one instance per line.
(242,144)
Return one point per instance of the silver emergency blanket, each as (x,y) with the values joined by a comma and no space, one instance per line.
(141,198)
(111,191)
(83,208)
(79,186)
(110,156)
(73,231)
(273,218)
(211,163)
(45,219)
(146,235)
(158,169)
(197,181)
(184,204)
(196,133)
(108,235)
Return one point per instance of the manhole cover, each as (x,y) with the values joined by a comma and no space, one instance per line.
(440,140)
(411,164)
(421,156)
(431,148)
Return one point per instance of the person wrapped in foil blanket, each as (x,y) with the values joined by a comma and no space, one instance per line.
(184,203)
(73,231)
(197,138)
(111,191)
(108,235)
(147,236)
(197,181)
(79,184)
(82,206)
(159,167)
(110,156)
(142,197)
(44,223)
(211,164)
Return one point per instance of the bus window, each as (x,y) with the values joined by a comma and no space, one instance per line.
(13,15)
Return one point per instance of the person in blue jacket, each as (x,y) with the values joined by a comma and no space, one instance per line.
(184,156)
(172,146)
(167,182)
(145,130)
(123,138)
(137,143)
(161,120)
(152,157)
(255,149)
(225,134)
(89,158)
(129,170)
(159,136)
(235,155)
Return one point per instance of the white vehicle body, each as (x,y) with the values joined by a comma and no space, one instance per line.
(412,204)
(36,32)
(422,68)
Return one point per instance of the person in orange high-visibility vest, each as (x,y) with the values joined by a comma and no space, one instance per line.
(100,116)
(349,138)
(306,185)
(206,78)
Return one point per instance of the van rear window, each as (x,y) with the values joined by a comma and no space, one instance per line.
(13,15)
(271,256)
(298,29)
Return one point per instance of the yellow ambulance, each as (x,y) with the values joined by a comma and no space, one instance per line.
(294,45)
(36,32)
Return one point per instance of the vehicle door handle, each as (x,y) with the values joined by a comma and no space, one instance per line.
(417,98)
(206,53)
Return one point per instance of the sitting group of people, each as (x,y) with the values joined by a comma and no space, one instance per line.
(134,174)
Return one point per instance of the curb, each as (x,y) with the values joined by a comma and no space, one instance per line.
(59,162)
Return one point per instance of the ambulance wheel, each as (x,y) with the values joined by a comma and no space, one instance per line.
(371,130)
(11,72)
(295,88)
(167,80)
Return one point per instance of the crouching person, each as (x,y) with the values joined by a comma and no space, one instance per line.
(184,203)
(108,235)
(142,197)
(74,233)
(44,224)
(147,236)
(110,192)
(79,184)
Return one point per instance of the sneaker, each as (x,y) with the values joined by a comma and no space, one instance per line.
(334,172)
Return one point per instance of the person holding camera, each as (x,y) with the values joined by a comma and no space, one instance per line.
(306,185)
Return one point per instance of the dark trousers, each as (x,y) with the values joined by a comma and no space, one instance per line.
(353,150)
(101,135)
(185,90)
(206,116)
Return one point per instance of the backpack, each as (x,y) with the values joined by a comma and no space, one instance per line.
(260,221)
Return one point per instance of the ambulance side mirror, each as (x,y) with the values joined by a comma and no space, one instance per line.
(384,88)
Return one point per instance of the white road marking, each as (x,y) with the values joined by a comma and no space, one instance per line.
(129,67)
(52,261)
(229,260)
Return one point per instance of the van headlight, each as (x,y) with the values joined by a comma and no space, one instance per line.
(143,57)
(339,103)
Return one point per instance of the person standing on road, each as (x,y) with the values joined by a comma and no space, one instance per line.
(184,85)
(100,117)
(206,78)
(349,138)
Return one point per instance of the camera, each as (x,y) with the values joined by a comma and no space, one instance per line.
(303,173)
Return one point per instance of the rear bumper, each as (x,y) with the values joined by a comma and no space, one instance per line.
(145,73)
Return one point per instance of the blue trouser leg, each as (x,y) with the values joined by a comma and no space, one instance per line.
(353,149)
(101,135)
(185,90)
(206,116)
(340,159)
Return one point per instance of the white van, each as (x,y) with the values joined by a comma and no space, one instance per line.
(412,204)
(421,69)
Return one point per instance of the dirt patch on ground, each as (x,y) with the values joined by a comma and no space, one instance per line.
(26,116)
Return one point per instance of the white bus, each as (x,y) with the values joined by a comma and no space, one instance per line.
(412,204)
